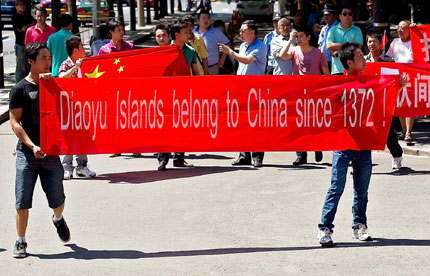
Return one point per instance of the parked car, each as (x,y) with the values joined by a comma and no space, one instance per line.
(255,8)
(85,11)
(7,11)
(127,2)
(47,5)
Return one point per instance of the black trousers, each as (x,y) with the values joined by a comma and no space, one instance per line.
(255,155)
(393,142)
(164,156)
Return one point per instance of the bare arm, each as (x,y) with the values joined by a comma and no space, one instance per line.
(71,71)
(15,119)
(205,66)
(241,58)
(331,46)
(283,54)
(325,70)
(195,69)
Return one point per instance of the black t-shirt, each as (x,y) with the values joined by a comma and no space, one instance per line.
(25,95)
(20,21)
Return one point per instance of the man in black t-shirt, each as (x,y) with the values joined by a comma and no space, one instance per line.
(31,161)
(22,20)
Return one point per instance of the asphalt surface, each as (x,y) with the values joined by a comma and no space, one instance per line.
(216,219)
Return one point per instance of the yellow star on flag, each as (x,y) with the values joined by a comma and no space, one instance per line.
(116,61)
(95,74)
(121,68)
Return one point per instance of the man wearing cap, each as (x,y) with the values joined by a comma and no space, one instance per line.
(268,40)
(330,18)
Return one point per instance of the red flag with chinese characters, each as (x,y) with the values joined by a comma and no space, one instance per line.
(152,62)
(420,39)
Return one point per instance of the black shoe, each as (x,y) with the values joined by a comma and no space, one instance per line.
(300,161)
(182,164)
(20,250)
(162,166)
(318,156)
(241,161)
(62,229)
(258,163)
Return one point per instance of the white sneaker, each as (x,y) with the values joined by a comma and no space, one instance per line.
(361,233)
(324,236)
(85,172)
(397,163)
(68,175)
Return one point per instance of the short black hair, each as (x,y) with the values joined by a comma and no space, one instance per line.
(42,10)
(72,42)
(251,25)
(218,23)
(113,24)
(346,6)
(161,27)
(176,27)
(32,51)
(103,31)
(204,11)
(64,20)
(188,18)
(305,29)
(347,53)
(378,35)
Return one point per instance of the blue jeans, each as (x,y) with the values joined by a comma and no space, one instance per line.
(362,170)
(50,171)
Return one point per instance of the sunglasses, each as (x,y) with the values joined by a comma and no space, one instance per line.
(347,14)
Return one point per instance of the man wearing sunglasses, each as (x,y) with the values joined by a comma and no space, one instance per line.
(339,35)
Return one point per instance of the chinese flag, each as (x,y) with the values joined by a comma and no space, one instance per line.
(420,39)
(152,62)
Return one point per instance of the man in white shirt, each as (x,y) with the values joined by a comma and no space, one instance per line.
(401,50)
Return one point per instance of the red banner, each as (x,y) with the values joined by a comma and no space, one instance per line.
(414,99)
(216,113)
(152,62)
(420,40)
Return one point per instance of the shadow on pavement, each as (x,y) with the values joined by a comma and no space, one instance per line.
(171,173)
(308,166)
(187,156)
(2,249)
(405,171)
(85,254)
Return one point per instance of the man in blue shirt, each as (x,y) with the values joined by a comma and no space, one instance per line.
(268,40)
(330,17)
(56,43)
(212,36)
(252,59)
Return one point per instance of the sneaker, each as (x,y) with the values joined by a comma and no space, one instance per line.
(397,163)
(85,172)
(324,236)
(20,250)
(68,175)
(361,233)
(162,166)
(62,229)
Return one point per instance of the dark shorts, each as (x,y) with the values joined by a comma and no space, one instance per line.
(50,171)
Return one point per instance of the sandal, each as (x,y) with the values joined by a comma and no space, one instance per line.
(408,137)
(401,136)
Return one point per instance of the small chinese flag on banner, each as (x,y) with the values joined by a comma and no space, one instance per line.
(384,41)
(420,39)
(152,62)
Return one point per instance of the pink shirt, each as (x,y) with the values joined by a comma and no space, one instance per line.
(34,34)
(309,63)
(110,47)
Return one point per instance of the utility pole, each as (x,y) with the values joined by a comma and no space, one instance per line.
(141,12)
(132,15)
(163,8)
(121,13)
(148,12)
(96,18)
(71,4)
(172,6)
(380,17)
(1,57)
(56,11)
(156,10)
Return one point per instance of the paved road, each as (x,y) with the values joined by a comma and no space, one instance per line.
(217,219)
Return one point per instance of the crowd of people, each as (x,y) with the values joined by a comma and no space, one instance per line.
(287,50)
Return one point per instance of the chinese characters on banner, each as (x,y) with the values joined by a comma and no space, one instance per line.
(420,40)
(216,113)
(414,99)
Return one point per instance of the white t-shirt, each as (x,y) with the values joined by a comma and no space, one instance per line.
(401,51)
